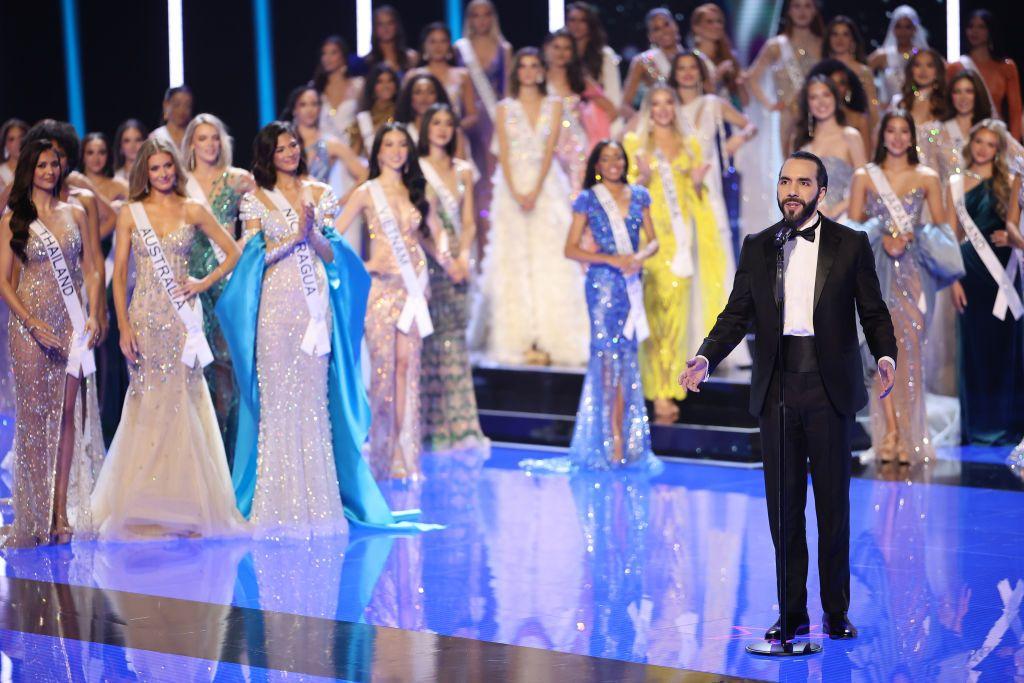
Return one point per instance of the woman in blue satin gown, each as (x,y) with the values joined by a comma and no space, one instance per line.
(612,429)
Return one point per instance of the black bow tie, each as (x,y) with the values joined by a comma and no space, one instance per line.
(806,233)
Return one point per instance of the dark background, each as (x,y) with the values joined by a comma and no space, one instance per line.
(124,49)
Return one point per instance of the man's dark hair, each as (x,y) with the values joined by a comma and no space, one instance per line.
(807,156)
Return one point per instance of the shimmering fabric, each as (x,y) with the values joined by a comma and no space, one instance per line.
(480,136)
(6,370)
(447,398)
(39,383)
(166,472)
(611,387)
(840,174)
(990,358)
(319,160)
(534,293)
(680,315)
(224,200)
(572,147)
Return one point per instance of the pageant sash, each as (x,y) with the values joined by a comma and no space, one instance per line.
(892,203)
(196,348)
(1007,297)
(788,61)
(316,341)
(365,122)
(682,260)
(476,74)
(81,359)
(636,326)
(956,139)
(6,175)
(969,65)
(195,192)
(415,308)
(660,62)
(449,204)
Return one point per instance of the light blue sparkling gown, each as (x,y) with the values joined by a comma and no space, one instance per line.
(320,162)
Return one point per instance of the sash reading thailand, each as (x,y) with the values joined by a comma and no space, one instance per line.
(195,192)
(415,308)
(317,339)
(636,326)
(899,215)
(196,348)
(682,260)
(81,359)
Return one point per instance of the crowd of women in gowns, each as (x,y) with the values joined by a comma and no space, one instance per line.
(414,206)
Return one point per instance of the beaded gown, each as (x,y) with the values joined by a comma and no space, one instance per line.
(534,293)
(166,473)
(613,365)
(447,398)
(482,133)
(572,147)
(39,381)
(296,492)
(224,200)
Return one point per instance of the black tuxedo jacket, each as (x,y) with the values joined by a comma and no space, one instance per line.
(845,281)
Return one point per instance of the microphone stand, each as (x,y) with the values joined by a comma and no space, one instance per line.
(783,648)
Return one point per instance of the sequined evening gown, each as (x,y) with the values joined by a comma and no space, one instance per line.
(166,473)
(447,398)
(224,200)
(572,147)
(296,490)
(39,381)
(840,175)
(613,365)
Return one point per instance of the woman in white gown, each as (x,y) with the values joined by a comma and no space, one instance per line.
(534,295)
(166,473)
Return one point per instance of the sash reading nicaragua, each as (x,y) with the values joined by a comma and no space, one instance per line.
(636,326)
(476,74)
(449,204)
(196,347)
(1007,297)
(896,211)
(682,260)
(415,308)
(195,192)
(81,360)
(317,339)
(365,122)
(788,61)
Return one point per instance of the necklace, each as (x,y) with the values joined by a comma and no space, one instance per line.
(974,174)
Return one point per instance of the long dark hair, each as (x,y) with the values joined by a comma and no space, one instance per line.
(590,175)
(23,210)
(403,108)
(804,132)
(108,168)
(423,146)
(982,103)
(366,98)
(287,113)
(574,69)
(593,56)
(705,77)
(856,98)
(425,33)
(858,38)
(817,25)
(513,79)
(319,81)
(994,44)
(63,135)
(126,125)
(376,55)
(263,147)
(9,125)
(881,152)
(412,175)
(939,98)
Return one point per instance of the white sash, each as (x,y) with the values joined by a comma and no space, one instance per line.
(661,62)
(971,66)
(415,309)
(449,203)
(955,135)
(896,211)
(1007,297)
(414,132)
(81,359)
(365,122)
(636,326)
(788,62)
(682,261)
(196,347)
(6,174)
(476,74)
(195,192)
(316,341)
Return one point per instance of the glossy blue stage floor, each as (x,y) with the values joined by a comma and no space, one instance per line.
(674,572)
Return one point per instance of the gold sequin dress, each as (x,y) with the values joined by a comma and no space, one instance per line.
(166,473)
(296,492)
(39,381)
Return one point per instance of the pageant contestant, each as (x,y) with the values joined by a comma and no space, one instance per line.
(565,81)
(924,96)
(655,64)
(438,60)
(394,204)
(376,107)
(447,399)
(420,91)
(127,141)
(903,38)
(611,424)
(845,44)
(53,327)
(12,132)
(388,44)
(98,166)
(322,151)
(218,187)
(177,112)
(166,473)
(914,259)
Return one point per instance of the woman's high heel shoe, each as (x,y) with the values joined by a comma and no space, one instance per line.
(887,449)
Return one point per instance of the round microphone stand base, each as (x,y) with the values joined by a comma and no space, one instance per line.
(794,648)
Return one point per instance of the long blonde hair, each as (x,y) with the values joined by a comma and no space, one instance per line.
(226,143)
(1000,170)
(138,182)
(495,33)
(645,131)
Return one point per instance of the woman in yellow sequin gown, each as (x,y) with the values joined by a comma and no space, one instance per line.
(681,308)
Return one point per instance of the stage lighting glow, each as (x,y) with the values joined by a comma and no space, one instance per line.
(952,30)
(175,45)
(453,13)
(264,45)
(556,14)
(364,25)
(73,65)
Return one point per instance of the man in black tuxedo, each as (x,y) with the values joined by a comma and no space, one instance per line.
(829,278)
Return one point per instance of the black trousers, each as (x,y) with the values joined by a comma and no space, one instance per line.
(819,436)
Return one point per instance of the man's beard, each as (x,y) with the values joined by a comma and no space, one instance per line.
(799,218)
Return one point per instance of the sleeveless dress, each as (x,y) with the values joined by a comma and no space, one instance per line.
(990,354)
(482,133)
(320,162)
(533,291)
(572,147)
(447,399)
(39,382)
(166,473)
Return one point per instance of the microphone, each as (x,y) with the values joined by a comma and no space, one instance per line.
(783,234)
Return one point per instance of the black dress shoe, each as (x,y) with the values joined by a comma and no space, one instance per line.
(838,627)
(796,625)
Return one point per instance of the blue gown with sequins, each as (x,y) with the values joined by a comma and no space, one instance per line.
(613,364)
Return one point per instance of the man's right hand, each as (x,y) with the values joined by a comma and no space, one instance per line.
(695,373)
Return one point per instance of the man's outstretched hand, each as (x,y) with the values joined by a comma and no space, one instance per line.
(695,372)
(887,376)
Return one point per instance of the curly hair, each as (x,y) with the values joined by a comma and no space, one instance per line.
(1000,169)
